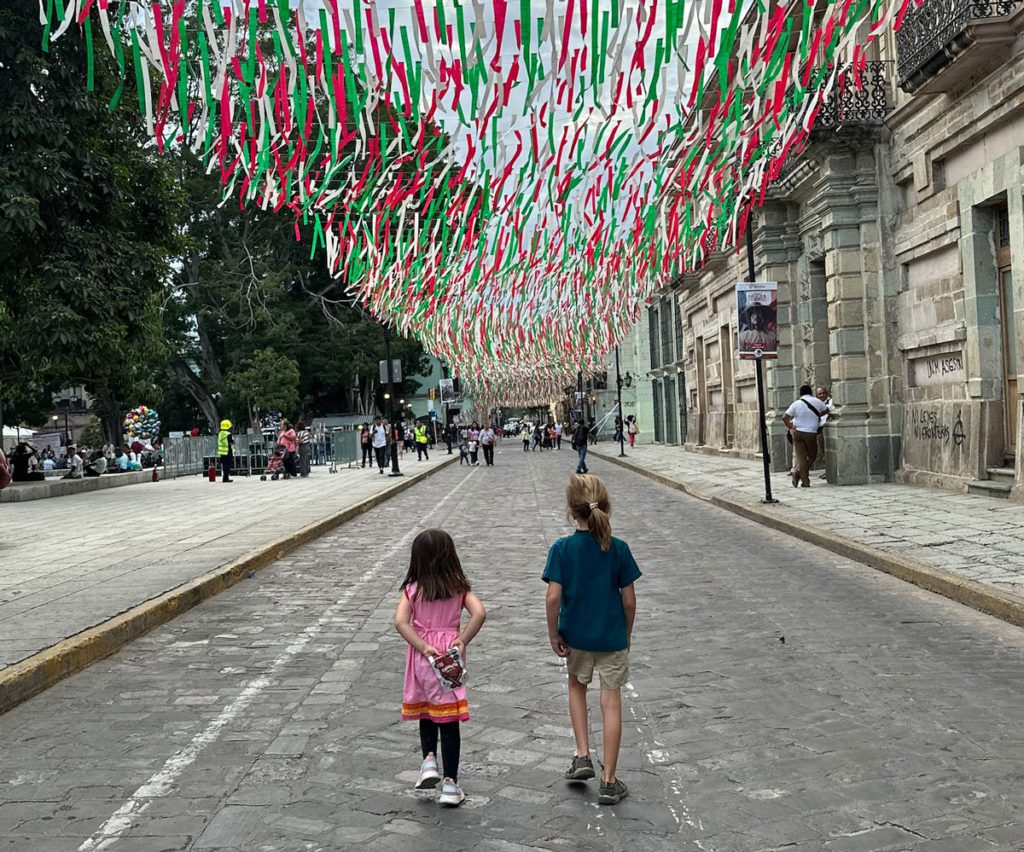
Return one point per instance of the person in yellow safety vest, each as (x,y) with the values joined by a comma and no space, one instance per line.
(226,449)
(421,441)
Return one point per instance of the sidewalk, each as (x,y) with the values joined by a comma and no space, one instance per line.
(76,562)
(967,547)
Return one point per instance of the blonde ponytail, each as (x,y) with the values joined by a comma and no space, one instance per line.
(587,499)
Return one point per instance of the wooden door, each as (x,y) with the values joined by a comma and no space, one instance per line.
(728,401)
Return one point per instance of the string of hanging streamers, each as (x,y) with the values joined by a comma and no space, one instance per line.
(506,180)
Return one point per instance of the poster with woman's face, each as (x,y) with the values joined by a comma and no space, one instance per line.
(757,328)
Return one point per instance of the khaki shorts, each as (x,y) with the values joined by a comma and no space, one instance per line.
(612,667)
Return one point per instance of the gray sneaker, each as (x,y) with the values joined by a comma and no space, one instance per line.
(581,769)
(612,794)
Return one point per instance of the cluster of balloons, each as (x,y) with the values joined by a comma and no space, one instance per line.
(143,424)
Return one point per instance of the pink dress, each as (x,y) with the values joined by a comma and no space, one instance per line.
(423,697)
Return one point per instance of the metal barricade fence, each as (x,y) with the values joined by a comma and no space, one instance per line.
(343,448)
(188,456)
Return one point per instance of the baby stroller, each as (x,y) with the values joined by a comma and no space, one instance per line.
(275,464)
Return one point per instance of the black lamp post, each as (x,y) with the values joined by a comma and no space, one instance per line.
(622,414)
(391,403)
(759,375)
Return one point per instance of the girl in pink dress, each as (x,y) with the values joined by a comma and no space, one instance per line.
(434,593)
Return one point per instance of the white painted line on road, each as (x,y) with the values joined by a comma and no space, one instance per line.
(658,756)
(163,783)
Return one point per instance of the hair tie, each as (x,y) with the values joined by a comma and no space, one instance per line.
(593,506)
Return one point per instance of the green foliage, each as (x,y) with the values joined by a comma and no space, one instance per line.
(121,271)
(88,215)
(266,381)
(92,435)
(247,284)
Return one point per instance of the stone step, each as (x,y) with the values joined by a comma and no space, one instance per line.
(1000,474)
(988,488)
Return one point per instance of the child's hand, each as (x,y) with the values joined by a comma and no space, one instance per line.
(461,646)
(559,647)
(430,651)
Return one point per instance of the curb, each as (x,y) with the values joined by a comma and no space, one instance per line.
(42,670)
(1005,606)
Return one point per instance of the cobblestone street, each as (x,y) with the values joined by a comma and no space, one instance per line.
(780,697)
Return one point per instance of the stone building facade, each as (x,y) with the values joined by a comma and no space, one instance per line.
(897,240)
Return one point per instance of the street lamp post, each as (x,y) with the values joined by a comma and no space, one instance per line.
(618,402)
(759,374)
(390,395)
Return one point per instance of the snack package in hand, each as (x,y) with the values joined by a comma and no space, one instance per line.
(450,669)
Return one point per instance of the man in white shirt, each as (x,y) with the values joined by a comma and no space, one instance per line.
(803,419)
(380,443)
(558,435)
(74,465)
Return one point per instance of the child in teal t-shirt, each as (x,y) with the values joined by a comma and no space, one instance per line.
(591,604)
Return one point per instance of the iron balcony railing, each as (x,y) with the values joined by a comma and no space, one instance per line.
(933,32)
(851,106)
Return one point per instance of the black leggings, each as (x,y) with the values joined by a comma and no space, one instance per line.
(367,455)
(451,744)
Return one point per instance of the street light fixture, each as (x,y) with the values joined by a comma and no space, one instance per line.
(391,409)
(619,382)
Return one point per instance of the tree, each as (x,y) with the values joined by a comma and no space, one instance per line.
(245,283)
(266,382)
(88,225)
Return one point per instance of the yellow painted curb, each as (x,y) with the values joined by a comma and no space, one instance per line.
(31,676)
(1001,604)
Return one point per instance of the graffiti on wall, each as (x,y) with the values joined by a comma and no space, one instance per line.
(945,369)
(930,425)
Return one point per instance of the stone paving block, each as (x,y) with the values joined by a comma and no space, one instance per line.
(731,739)
(231,826)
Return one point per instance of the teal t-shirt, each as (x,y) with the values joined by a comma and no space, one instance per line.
(591,617)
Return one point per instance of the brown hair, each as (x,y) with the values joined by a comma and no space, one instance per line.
(435,568)
(588,501)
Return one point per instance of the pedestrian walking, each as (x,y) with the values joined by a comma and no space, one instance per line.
(590,606)
(379,441)
(803,419)
(525,435)
(420,433)
(225,450)
(632,429)
(487,441)
(365,443)
(429,616)
(304,440)
(474,444)
(580,438)
(558,435)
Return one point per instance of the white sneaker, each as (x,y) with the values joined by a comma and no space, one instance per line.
(429,776)
(451,794)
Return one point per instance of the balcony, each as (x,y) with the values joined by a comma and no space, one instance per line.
(945,42)
(847,108)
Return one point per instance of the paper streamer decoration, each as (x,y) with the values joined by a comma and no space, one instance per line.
(507,180)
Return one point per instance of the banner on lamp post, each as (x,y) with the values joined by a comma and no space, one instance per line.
(757,333)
